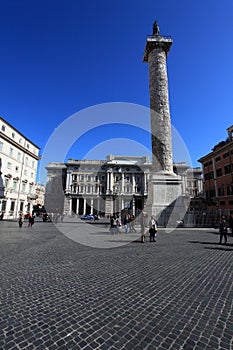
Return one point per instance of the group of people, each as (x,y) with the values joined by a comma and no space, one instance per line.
(129,226)
(28,217)
(152,225)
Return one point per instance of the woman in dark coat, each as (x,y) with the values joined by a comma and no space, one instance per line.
(223,229)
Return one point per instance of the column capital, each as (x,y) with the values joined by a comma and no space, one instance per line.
(157,42)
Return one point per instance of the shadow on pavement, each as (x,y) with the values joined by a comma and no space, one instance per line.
(220,246)
(203,242)
(224,247)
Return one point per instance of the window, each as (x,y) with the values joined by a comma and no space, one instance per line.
(20,141)
(229,190)
(12,207)
(221,191)
(11,152)
(219,172)
(74,177)
(23,187)
(226,155)
(26,161)
(1,145)
(32,175)
(127,178)
(18,156)
(14,185)
(3,127)
(33,164)
(25,172)
(217,159)
(9,165)
(27,145)
(227,169)
(16,168)
(13,135)
(6,183)
(30,188)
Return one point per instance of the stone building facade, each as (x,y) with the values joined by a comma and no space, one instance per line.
(108,186)
(18,169)
(218,175)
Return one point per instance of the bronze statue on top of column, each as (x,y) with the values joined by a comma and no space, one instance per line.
(156,30)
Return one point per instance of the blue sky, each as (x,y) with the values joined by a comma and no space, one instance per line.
(59,57)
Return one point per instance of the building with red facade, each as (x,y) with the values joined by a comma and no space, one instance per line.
(218,176)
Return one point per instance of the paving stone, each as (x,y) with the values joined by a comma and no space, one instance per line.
(58,294)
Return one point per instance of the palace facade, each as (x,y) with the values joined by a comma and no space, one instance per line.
(108,186)
(18,169)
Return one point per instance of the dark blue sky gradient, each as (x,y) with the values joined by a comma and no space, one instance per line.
(61,56)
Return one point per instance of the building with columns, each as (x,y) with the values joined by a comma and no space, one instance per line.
(97,186)
(108,186)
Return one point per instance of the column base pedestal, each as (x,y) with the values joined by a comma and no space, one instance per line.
(165,200)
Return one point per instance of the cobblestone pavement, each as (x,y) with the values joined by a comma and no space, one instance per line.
(57,294)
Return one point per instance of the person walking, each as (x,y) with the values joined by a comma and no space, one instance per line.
(223,229)
(153,228)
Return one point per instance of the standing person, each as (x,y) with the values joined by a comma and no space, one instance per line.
(153,228)
(223,229)
(131,224)
(20,221)
(113,225)
(30,220)
(144,226)
(126,222)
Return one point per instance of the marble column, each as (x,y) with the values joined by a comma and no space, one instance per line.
(164,186)
(156,51)
(77,207)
